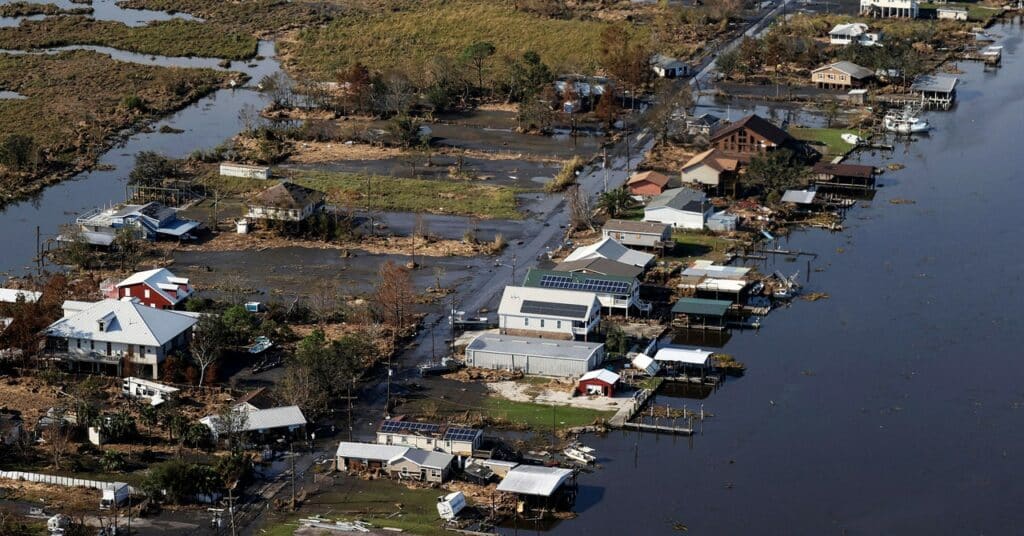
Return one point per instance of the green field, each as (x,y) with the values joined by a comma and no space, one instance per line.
(692,244)
(393,194)
(409,39)
(829,137)
(542,416)
(166,38)
(373,501)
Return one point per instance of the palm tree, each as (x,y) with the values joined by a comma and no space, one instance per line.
(615,202)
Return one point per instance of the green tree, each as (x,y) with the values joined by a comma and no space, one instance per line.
(405,131)
(18,151)
(127,246)
(119,427)
(615,202)
(476,55)
(728,63)
(152,168)
(113,461)
(774,171)
(527,77)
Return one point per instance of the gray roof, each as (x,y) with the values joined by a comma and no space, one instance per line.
(799,197)
(850,68)
(686,199)
(534,480)
(600,265)
(665,62)
(125,322)
(551,348)
(639,227)
(369,451)
(939,83)
(426,458)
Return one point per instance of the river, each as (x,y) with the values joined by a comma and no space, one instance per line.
(206,124)
(892,407)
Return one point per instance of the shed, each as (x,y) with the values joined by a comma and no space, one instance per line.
(545,357)
(723,222)
(359,456)
(245,171)
(843,175)
(799,197)
(936,89)
(952,13)
(598,382)
(647,364)
(647,183)
(534,480)
(668,67)
(684,356)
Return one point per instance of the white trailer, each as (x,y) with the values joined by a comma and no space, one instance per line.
(115,496)
(245,171)
(449,506)
(133,387)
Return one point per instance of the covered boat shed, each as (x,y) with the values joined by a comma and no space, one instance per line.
(843,175)
(701,313)
(936,89)
(540,486)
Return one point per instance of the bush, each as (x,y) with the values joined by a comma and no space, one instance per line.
(566,176)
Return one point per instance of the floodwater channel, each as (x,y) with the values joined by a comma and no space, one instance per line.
(893,407)
(206,123)
(103,10)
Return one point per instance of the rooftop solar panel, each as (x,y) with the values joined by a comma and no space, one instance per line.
(554,309)
(588,284)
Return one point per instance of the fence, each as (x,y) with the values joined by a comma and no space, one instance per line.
(65,481)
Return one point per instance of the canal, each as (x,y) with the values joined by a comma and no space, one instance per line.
(894,406)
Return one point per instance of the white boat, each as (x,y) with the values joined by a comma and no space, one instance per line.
(852,139)
(578,455)
(905,122)
(583,448)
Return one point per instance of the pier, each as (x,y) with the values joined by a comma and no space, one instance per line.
(658,428)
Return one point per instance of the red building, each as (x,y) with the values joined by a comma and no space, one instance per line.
(598,382)
(157,288)
(647,184)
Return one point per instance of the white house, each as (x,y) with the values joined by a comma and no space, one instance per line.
(853,32)
(544,312)
(682,208)
(109,334)
(455,440)
(282,419)
(613,250)
(952,13)
(668,67)
(614,292)
(889,8)
(285,202)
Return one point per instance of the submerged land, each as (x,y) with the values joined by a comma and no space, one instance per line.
(343,192)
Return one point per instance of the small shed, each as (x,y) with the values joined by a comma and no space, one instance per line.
(690,357)
(952,13)
(245,171)
(936,89)
(701,313)
(598,382)
(799,197)
(722,222)
(533,484)
(668,67)
(645,363)
(647,183)
(843,175)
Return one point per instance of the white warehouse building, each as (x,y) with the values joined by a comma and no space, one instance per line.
(544,357)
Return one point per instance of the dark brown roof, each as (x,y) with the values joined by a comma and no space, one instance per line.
(631,226)
(600,266)
(287,195)
(762,127)
(845,170)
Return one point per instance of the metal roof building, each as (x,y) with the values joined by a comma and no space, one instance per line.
(609,248)
(700,306)
(612,291)
(544,357)
(705,268)
(548,312)
(534,480)
(685,356)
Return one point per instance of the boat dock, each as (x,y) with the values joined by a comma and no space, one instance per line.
(658,428)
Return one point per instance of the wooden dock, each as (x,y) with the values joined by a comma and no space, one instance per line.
(658,428)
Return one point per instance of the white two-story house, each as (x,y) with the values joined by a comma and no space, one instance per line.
(545,312)
(907,9)
(111,335)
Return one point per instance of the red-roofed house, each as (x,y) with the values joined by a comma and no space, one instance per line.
(158,288)
(647,184)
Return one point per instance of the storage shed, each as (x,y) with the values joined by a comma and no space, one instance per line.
(598,382)
(545,357)
(701,313)
(546,486)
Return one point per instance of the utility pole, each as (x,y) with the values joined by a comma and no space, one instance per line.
(231,508)
(291,449)
(352,381)
(604,167)
(513,269)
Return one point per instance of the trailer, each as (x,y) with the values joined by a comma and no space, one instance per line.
(449,506)
(115,496)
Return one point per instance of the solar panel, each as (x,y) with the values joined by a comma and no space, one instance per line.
(393,427)
(553,309)
(460,434)
(587,284)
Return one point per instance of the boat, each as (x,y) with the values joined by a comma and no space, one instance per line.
(438,367)
(852,139)
(583,448)
(905,122)
(578,455)
(260,345)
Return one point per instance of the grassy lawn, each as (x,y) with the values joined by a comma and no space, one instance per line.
(372,501)
(167,38)
(691,244)
(399,195)
(411,38)
(540,416)
(829,137)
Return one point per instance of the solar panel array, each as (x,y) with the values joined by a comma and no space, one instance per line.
(553,309)
(588,284)
(460,434)
(394,427)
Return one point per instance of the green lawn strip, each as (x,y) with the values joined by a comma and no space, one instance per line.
(690,244)
(831,138)
(541,416)
(167,38)
(386,193)
(412,38)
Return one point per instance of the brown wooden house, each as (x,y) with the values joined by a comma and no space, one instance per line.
(754,135)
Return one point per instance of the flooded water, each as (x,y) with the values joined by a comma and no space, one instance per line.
(893,407)
(207,123)
(104,10)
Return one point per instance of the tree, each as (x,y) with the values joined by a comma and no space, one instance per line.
(113,461)
(405,131)
(152,168)
(197,435)
(728,62)
(394,296)
(535,115)
(527,76)
(57,437)
(580,214)
(831,110)
(119,426)
(476,55)
(607,109)
(126,246)
(209,339)
(279,88)
(18,151)
(229,424)
(774,171)
(627,60)
(355,82)
(615,202)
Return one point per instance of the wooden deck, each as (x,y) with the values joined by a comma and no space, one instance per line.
(658,428)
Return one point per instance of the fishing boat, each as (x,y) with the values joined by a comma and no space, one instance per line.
(578,455)
(261,344)
(905,122)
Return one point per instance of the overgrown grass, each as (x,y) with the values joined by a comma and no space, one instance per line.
(409,39)
(167,38)
(693,244)
(257,16)
(541,416)
(391,194)
(373,501)
(830,138)
(566,176)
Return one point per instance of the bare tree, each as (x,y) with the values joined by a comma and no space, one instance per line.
(231,421)
(395,295)
(58,439)
(580,212)
(209,338)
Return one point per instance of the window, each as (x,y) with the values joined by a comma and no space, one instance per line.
(78,343)
(526,321)
(541,322)
(128,291)
(558,324)
(92,345)
(146,292)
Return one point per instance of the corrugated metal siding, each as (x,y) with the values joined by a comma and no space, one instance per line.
(545,366)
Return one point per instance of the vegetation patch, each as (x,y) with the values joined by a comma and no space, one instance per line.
(830,138)
(256,16)
(75,102)
(691,244)
(410,39)
(27,9)
(542,416)
(384,193)
(167,38)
